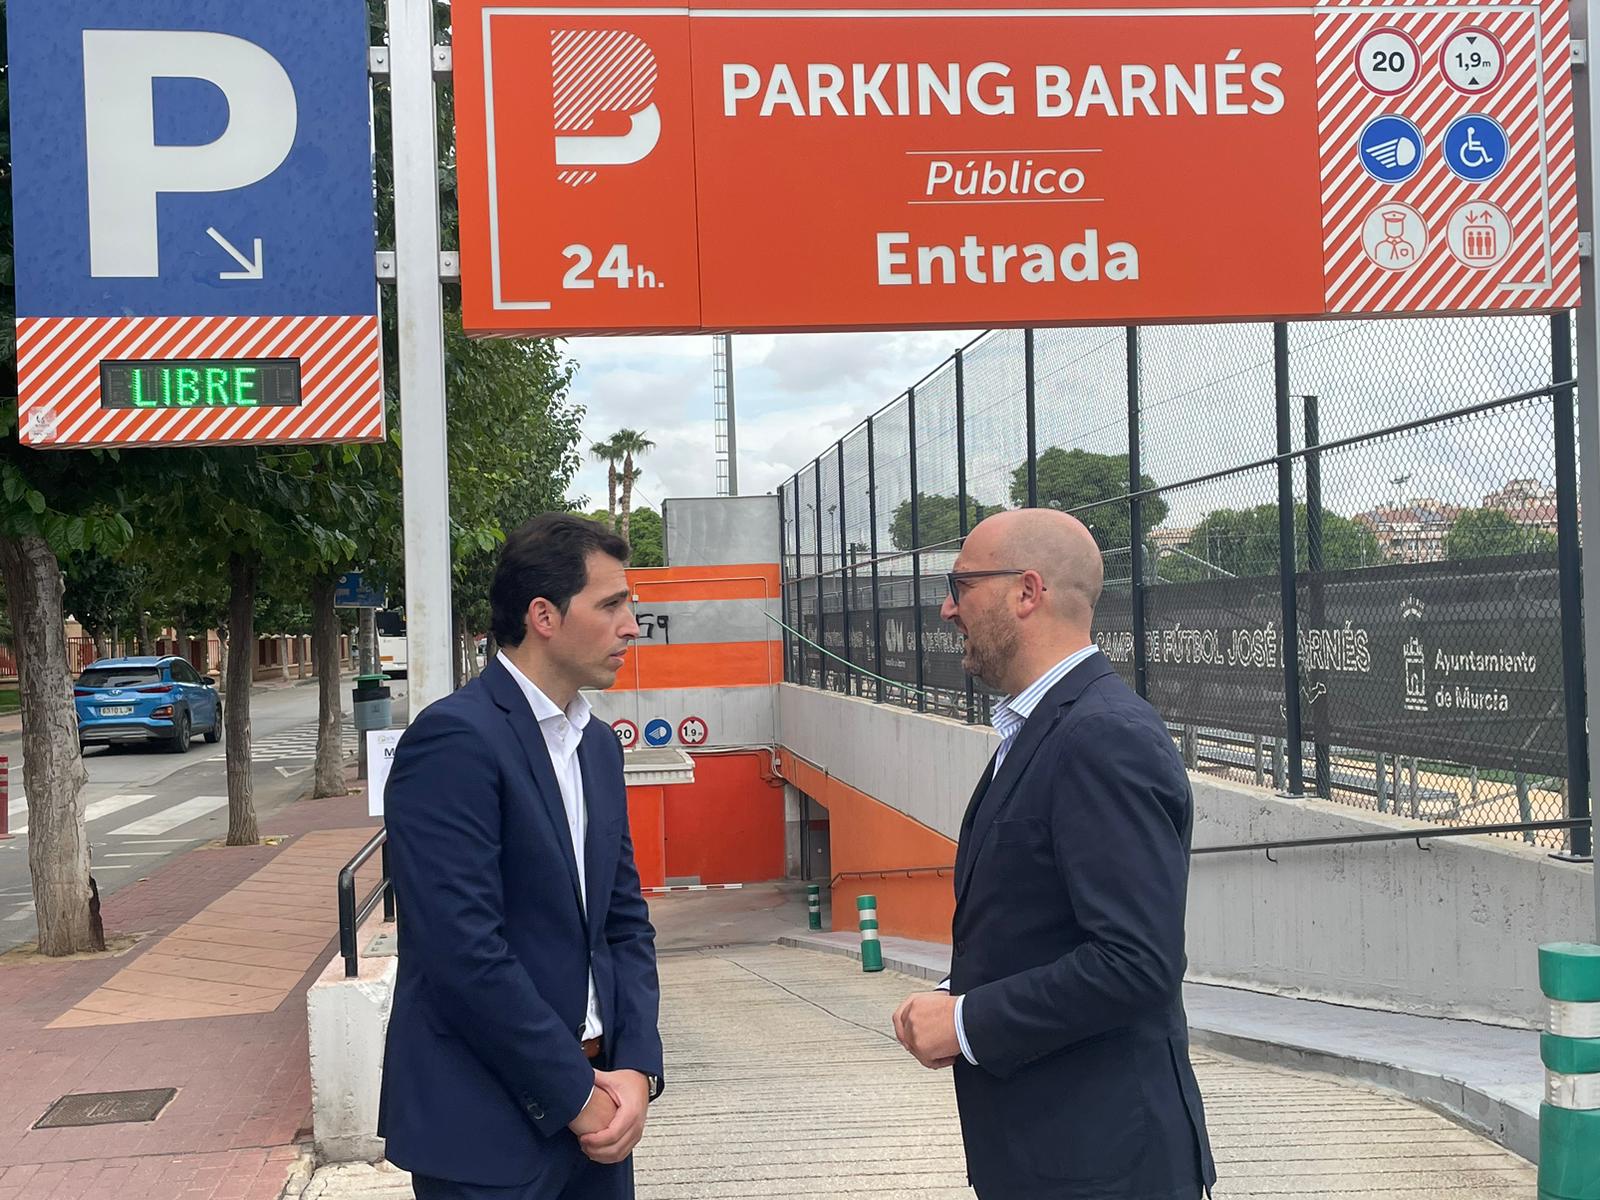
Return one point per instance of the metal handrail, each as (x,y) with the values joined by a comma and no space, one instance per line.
(351,915)
(1408,835)
(888,871)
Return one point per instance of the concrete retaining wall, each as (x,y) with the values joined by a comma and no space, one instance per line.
(1449,930)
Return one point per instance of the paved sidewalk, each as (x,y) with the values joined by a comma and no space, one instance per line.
(795,1048)
(210,1001)
(1487,1076)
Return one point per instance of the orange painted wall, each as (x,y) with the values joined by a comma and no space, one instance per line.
(726,826)
(747,581)
(701,664)
(867,835)
(646,825)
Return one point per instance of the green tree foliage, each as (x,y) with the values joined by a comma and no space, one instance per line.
(1071,479)
(938,521)
(1491,532)
(1243,542)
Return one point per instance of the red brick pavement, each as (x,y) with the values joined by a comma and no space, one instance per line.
(244,1091)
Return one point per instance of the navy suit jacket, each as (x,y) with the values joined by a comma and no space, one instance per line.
(483,1069)
(1071,877)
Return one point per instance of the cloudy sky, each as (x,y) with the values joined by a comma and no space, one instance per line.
(795,394)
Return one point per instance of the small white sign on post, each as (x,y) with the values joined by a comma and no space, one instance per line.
(380,757)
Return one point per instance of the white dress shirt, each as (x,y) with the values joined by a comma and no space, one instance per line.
(1010,715)
(562,733)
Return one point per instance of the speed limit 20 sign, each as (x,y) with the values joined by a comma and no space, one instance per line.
(627,733)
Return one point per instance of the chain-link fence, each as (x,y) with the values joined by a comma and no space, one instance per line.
(1397,500)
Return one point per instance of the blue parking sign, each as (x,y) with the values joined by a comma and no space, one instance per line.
(193,212)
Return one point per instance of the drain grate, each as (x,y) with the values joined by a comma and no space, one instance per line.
(106,1108)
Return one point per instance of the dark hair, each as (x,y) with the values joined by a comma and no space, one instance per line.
(547,557)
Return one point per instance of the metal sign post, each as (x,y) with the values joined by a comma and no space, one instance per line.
(414,117)
(1586,112)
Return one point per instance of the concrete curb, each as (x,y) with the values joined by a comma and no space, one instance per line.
(1495,1111)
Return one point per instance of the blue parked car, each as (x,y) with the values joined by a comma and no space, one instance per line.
(146,700)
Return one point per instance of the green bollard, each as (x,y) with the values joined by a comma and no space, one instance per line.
(1569,1118)
(814,905)
(871,948)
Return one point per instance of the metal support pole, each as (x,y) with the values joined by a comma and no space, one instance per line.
(1136,519)
(1321,718)
(784,575)
(816,511)
(801,650)
(1586,109)
(420,313)
(872,522)
(961,492)
(733,424)
(1286,563)
(916,543)
(1569,570)
(1033,424)
(847,576)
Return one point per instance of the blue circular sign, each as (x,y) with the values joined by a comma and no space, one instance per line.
(1391,149)
(658,732)
(1475,147)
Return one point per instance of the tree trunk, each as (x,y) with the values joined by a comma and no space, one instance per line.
(330,717)
(100,650)
(184,642)
(627,495)
(369,641)
(53,772)
(242,829)
(611,481)
(204,666)
(146,646)
(222,655)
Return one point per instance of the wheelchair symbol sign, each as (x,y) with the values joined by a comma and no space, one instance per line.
(1475,148)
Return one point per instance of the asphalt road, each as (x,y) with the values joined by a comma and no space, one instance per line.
(145,804)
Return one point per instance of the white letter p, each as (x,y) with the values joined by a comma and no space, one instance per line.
(127,170)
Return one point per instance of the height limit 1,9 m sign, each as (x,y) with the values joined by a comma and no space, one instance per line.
(660,168)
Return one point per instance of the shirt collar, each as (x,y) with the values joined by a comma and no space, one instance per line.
(544,708)
(1013,712)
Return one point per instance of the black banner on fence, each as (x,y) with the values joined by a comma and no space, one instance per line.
(1459,661)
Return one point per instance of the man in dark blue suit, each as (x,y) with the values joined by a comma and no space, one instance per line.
(1063,1014)
(522,1049)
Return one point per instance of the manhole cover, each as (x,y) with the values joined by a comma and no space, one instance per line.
(106,1108)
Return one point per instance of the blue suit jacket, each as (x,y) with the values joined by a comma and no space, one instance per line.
(483,1068)
(1071,878)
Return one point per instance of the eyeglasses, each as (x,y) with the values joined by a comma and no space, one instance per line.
(954,579)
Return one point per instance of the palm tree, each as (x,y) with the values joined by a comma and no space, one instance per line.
(610,453)
(630,442)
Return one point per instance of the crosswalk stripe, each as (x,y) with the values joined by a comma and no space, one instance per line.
(104,808)
(169,819)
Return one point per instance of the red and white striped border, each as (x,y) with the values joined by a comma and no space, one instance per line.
(58,380)
(1537,190)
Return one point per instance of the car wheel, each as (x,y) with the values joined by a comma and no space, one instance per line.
(180,735)
(214,734)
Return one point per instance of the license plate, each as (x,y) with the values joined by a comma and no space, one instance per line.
(116,710)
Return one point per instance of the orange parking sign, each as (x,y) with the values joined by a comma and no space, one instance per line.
(749,167)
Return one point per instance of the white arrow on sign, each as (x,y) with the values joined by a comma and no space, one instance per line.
(252,270)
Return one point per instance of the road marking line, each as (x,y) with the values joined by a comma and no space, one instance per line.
(169,819)
(106,807)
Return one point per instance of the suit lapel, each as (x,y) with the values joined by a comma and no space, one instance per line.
(994,798)
(519,715)
(990,800)
(599,847)
(964,839)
